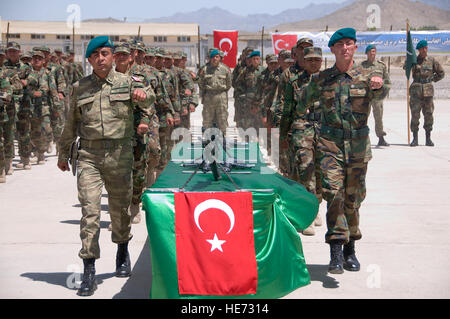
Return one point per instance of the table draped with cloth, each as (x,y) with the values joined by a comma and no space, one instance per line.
(281,209)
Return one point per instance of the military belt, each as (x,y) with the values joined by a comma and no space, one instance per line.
(343,133)
(423,81)
(104,144)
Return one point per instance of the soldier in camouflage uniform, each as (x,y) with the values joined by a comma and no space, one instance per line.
(6,93)
(344,92)
(238,94)
(188,96)
(247,82)
(102,115)
(214,83)
(167,117)
(299,130)
(286,158)
(377,105)
(426,71)
(16,72)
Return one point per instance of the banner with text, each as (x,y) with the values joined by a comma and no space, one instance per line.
(387,43)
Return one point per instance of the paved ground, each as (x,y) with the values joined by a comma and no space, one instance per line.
(404,253)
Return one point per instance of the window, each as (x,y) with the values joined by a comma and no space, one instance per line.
(62,37)
(14,35)
(86,37)
(160,39)
(136,38)
(37,36)
(114,38)
(184,39)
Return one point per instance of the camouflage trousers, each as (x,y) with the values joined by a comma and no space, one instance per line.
(166,145)
(344,189)
(238,102)
(9,129)
(3,120)
(56,122)
(109,164)
(286,160)
(215,110)
(186,121)
(40,128)
(306,168)
(23,133)
(426,106)
(377,108)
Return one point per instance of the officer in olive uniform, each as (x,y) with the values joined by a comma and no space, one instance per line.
(426,71)
(377,104)
(101,113)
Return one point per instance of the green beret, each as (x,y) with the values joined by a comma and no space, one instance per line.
(213,53)
(345,33)
(370,47)
(102,41)
(254,53)
(421,44)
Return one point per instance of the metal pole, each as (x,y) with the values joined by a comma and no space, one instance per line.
(199,43)
(7,35)
(326,30)
(139,35)
(407,92)
(73,37)
(262,46)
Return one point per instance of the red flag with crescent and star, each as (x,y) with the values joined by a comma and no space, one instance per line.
(215,244)
(227,42)
(283,42)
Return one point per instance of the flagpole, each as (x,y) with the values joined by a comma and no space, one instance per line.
(199,43)
(407,93)
(262,46)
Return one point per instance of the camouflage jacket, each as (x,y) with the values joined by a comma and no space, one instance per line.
(237,70)
(378,67)
(295,116)
(187,88)
(214,80)
(39,81)
(6,93)
(344,102)
(426,71)
(102,109)
(16,72)
(170,82)
(267,88)
(58,73)
(247,83)
(278,103)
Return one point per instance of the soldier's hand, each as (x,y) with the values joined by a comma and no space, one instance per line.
(142,129)
(139,95)
(192,108)
(63,166)
(184,112)
(264,120)
(37,94)
(376,82)
(253,110)
(61,96)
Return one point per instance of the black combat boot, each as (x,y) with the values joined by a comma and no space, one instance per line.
(382,141)
(89,284)
(336,262)
(428,142)
(415,141)
(123,263)
(351,263)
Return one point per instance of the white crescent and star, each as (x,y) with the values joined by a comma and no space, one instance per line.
(220,205)
(225,40)
(277,44)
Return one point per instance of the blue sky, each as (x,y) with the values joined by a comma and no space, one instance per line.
(47,10)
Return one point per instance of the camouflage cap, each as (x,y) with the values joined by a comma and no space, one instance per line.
(270,55)
(168,55)
(13,45)
(57,50)
(150,52)
(176,55)
(159,52)
(69,52)
(303,41)
(27,55)
(183,54)
(42,49)
(38,53)
(284,54)
(139,46)
(272,59)
(2,51)
(122,48)
(312,52)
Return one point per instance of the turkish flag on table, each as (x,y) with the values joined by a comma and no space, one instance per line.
(283,42)
(227,41)
(215,243)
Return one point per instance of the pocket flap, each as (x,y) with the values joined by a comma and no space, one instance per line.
(85,100)
(119,96)
(361,92)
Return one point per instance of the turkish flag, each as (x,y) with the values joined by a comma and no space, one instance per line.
(215,243)
(283,42)
(227,41)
